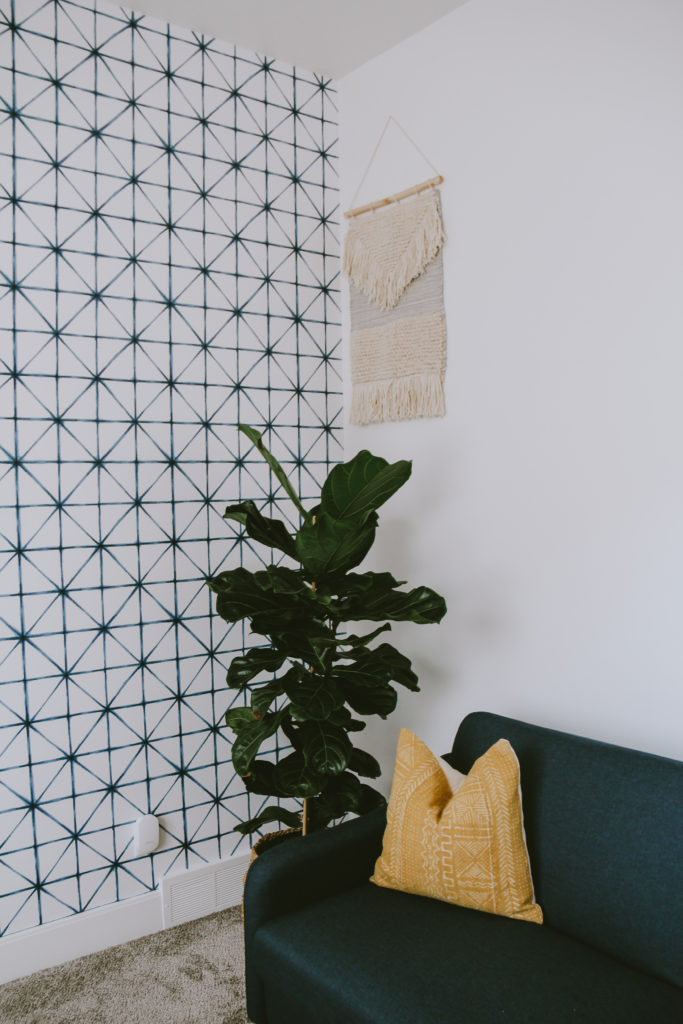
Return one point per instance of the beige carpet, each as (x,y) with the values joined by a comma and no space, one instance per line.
(192,974)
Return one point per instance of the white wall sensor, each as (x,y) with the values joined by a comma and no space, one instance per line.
(145,835)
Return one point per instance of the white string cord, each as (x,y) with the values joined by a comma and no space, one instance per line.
(379,143)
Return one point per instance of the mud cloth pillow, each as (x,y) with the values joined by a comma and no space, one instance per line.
(458,838)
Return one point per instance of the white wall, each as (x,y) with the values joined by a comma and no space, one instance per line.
(548,505)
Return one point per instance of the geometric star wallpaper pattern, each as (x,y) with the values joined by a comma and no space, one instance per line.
(168,268)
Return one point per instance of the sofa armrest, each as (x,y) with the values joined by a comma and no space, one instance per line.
(301,871)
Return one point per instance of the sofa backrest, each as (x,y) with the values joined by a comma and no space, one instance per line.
(604,828)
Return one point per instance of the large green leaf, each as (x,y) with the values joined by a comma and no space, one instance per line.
(271,532)
(263,695)
(250,737)
(341,794)
(327,807)
(400,667)
(293,777)
(277,469)
(345,787)
(313,696)
(359,674)
(261,779)
(314,642)
(292,819)
(355,584)
(369,695)
(362,485)
(288,582)
(277,592)
(244,667)
(364,764)
(327,748)
(292,731)
(421,605)
(318,819)
(334,545)
(344,718)
(237,718)
(385,662)
(352,640)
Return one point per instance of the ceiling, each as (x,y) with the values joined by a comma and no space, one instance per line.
(331,37)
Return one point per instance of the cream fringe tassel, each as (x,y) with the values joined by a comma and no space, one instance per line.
(386,285)
(404,398)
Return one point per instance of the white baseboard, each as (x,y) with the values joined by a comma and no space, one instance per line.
(184,896)
(88,932)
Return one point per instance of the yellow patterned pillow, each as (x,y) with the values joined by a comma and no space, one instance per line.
(458,838)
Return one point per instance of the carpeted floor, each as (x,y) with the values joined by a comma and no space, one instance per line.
(192,974)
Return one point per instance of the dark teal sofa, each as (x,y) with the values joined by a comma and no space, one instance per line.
(604,830)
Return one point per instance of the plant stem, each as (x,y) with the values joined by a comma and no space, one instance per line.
(304,813)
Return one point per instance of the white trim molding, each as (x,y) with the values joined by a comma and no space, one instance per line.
(89,932)
(182,897)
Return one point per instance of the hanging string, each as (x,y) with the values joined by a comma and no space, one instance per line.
(414,143)
(379,143)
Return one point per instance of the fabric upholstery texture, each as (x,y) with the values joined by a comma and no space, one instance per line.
(458,838)
(604,833)
(300,872)
(376,955)
(604,830)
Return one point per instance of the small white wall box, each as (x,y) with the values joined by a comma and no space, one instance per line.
(146,835)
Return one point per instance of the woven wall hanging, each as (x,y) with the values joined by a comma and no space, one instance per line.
(392,257)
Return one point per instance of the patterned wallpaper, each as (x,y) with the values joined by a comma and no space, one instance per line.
(168,267)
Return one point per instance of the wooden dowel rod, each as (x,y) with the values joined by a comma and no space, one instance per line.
(412,191)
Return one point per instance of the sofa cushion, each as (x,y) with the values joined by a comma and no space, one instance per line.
(604,831)
(380,956)
(455,837)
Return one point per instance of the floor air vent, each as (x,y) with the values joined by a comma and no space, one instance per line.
(203,890)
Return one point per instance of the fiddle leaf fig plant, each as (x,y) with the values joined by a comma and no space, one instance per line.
(311,678)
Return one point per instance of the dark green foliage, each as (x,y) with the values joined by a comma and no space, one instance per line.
(271,532)
(327,673)
(243,669)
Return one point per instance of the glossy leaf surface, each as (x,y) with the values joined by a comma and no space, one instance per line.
(368,695)
(327,747)
(344,718)
(314,696)
(421,605)
(271,532)
(263,697)
(257,440)
(361,485)
(364,764)
(250,737)
(385,662)
(291,819)
(279,593)
(261,780)
(329,545)
(314,644)
(330,678)
(237,718)
(353,640)
(244,667)
(293,777)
